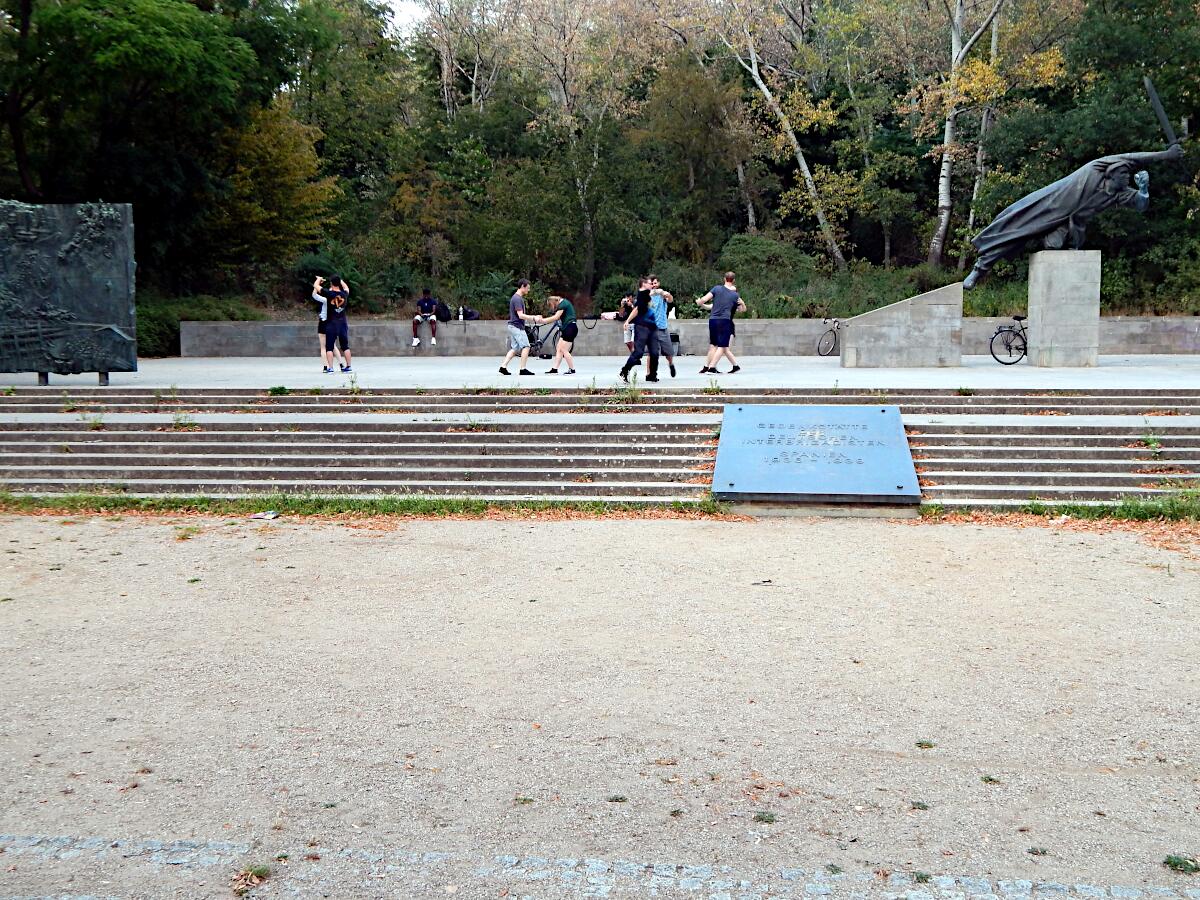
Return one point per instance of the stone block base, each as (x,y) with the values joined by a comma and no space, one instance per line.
(1064,308)
(921,332)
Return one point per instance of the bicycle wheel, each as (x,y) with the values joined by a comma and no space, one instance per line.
(1008,347)
(828,343)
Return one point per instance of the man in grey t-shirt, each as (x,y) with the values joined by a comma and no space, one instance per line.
(518,340)
(721,302)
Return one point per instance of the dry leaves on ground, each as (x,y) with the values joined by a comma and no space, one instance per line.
(1181,537)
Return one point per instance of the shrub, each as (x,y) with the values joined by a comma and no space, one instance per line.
(751,256)
(158,319)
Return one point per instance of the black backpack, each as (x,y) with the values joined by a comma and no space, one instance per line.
(442,311)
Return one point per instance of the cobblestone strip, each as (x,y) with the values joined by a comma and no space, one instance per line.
(310,869)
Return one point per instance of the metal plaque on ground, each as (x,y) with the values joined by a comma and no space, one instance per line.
(777,453)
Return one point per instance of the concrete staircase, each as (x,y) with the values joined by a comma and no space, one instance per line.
(996,448)
(515,461)
(1013,464)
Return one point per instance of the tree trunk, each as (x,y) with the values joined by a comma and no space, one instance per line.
(785,123)
(958,52)
(14,115)
(985,123)
(751,218)
(945,200)
(887,246)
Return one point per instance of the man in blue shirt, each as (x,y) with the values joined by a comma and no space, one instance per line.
(426,312)
(659,304)
(721,302)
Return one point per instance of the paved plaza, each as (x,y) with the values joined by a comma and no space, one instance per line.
(622,708)
(1140,372)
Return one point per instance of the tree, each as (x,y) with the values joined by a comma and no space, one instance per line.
(764,37)
(275,206)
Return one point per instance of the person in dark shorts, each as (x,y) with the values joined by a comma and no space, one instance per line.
(564,309)
(721,302)
(322,315)
(645,334)
(426,312)
(337,329)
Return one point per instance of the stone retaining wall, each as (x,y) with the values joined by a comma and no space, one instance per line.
(1119,335)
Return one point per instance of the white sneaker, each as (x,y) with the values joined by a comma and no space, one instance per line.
(433,342)
(416,342)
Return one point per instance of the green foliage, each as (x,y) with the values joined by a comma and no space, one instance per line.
(158,319)
(264,142)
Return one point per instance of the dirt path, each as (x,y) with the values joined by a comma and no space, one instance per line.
(487,691)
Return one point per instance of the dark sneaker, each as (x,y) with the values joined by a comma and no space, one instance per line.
(652,378)
(706,370)
(503,371)
(327,370)
(735,369)
(347,369)
(569,372)
(672,366)
(552,371)
(625,375)
(526,372)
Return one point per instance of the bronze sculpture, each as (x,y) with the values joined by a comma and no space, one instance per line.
(1059,213)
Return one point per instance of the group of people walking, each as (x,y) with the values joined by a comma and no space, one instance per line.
(644,313)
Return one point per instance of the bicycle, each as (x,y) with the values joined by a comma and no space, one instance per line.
(543,346)
(829,340)
(1009,343)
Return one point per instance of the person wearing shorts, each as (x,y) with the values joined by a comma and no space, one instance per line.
(337,328)
(518,340)
(623,311)
(660,302)
(426,312)
(322,315)
(721,302)
(563,309)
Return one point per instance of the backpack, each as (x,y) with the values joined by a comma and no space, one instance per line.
(442,311)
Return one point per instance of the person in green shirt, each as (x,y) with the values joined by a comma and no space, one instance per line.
(563,309)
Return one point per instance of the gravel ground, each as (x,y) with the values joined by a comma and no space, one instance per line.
(532,708)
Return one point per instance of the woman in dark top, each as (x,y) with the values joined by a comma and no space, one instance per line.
(563,309)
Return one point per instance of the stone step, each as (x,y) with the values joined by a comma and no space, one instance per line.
(929,467)
(179,486)
(402,449)
(1022,493)
(253,470)
(1040,451)
(1035,475)
(1014,407)
(417,461)
(1130,441)
(322,431)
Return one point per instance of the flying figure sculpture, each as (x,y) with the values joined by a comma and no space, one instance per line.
(1059,213)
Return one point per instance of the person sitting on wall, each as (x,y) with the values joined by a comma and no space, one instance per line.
(426,312)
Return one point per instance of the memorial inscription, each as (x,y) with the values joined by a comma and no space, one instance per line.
(779,453)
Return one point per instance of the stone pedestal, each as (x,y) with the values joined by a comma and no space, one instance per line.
(1064,308)
(921,332)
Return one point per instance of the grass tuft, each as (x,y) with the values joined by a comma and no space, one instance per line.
(767,818)
(1188,865)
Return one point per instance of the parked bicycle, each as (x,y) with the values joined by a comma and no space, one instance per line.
(1009,342)
(828,343)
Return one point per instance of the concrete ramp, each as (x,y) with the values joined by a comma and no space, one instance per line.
(921,332)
